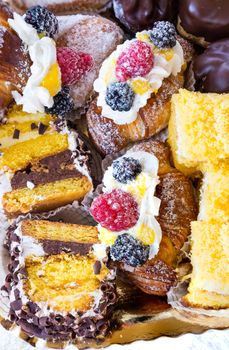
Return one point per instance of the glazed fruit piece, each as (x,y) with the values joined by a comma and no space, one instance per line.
(135,85)
(62,291)
(147,249)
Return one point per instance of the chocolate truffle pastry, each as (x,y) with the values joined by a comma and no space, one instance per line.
(211,68)
(137,15)
(177,209)
(58,289)
(203,21)
(45,162)
(64,7)
(14,60)
(110,137)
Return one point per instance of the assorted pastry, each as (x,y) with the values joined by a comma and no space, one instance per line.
(155,107)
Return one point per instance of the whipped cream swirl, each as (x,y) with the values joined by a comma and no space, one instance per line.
(166,62)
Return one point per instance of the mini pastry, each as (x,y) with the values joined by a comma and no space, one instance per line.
(137,15)
(203,21)
(134,88)
(211,68)
(53,69)
(209,287)
(63,7)
(198,129)
(45,162)
(58,290)
(144,215)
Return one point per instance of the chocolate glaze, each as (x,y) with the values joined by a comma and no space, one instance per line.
(53,168)
(52,247)
(211,69)
(137,15)
(205,18)
(56,327)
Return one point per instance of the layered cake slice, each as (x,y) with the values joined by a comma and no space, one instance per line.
(58,289)
(46,163)
(198,129)
(209,287)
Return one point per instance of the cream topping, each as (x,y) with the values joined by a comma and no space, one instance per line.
(164,65)
(43,55)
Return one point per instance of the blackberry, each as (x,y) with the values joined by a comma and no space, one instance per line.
(42,20)
(126,169)
(120,97)
(163,34)
(129,250)
(63,103)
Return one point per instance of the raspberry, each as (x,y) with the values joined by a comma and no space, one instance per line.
(120,97)
(42,20)
(129,250)
(73,65)
(126,169)
(163,34)
(116,210)
(137,60)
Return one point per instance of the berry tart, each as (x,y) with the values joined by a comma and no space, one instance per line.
(63,7)
(144,215)
(134,87)
(58,289)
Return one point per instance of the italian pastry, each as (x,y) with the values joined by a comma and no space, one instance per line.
(203,21)
(55,72)
(58,290)
(134,87)
(144,215)
(211,68)
(45,162)
(197,121)
(63,7)
(208,288)
(138,15)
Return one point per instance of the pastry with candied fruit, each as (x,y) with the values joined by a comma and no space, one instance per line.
(134,87)
(58,289)
(144,215)
(203,21)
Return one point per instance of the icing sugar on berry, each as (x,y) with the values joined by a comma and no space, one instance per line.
(127,210)
(136,70)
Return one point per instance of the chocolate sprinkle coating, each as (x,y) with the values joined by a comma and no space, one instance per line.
(42,128)
(16,134)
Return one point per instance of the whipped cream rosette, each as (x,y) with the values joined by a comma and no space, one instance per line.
(133,72)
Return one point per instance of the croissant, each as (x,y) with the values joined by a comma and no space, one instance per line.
(14,60)
(110,137)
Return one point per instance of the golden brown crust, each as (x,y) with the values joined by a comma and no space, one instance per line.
(14,61)
(109,137)
(178,208)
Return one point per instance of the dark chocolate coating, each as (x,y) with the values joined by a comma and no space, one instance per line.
(53,168)
(205,18)
(211,69)
(137,15)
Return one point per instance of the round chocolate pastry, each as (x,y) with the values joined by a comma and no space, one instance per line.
(208,19)
(211,69)
(137,15)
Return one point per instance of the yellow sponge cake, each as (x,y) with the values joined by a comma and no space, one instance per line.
(209,287)
(61,283)
(198,129)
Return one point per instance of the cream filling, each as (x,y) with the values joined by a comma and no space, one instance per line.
(7,142)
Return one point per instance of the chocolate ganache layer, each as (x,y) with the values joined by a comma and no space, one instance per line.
(205,18)
(137,15)
(211,69)
(53,247)
(53,168)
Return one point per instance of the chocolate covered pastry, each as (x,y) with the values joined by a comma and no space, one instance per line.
(137,15)
(63,7)
(211,68)
(144,215)
(203,21)
(58,289)
(135,85)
